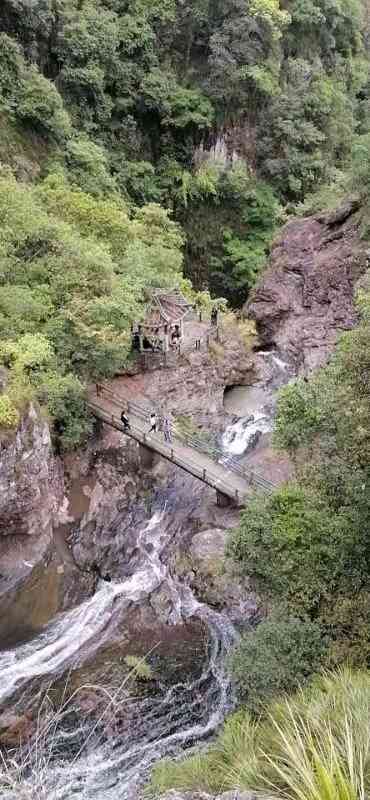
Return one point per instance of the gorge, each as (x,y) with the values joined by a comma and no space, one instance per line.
(160,537)
(184,255)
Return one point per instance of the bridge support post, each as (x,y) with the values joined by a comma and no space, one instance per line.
(223,501)
(148,457)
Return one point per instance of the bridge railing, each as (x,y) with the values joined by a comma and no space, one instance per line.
(170,452)
(212,451)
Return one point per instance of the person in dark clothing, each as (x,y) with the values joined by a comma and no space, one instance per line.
(147,345)
(125,421)
(214,316)
(136,341)
(175,337)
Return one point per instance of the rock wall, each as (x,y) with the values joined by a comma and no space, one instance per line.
(31,480)
(196,386)
(305,297)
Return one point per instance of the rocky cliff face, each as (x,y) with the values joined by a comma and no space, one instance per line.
(305,298)
(196,385)
(31,480)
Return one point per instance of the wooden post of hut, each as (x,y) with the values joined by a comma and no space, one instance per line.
(166,339)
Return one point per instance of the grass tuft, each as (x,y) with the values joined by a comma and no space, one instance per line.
(314,746)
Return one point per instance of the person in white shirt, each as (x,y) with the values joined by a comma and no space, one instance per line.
(153,423)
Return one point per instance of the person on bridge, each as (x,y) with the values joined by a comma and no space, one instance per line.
(125,421)
(167,430)
(214,316)
(153,423)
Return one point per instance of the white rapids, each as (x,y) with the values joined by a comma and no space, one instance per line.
(115,767)
(239,434)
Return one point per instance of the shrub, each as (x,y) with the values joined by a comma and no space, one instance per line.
(41,105)
(276,658)
(30,96)
(88,167)
(9,416)
(297,417)
(140,667)
(65,398)
(298,550)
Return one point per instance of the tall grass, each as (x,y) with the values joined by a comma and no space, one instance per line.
(314,746)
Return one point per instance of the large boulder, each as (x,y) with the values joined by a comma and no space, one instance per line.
(213,577)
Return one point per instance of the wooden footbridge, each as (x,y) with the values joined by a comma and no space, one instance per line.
(232,481)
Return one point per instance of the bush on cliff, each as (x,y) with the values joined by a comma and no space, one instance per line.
(65,399)
(306,546)
(9,415)
(276,659)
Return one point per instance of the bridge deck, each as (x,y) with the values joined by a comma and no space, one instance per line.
(219,471)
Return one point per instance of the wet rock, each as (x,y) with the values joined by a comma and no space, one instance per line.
(305,298)
(213,578)
(15,728)
(253,441)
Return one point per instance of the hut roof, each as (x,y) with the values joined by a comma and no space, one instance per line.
(167,308)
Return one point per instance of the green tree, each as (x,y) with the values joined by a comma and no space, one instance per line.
(65,398)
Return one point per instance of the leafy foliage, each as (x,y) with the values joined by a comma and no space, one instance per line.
(229,220)
(65,398)
(278,658)
(74,272)
(9,416)
(306,546)
(218,111)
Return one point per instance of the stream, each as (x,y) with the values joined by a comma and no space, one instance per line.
(81,760)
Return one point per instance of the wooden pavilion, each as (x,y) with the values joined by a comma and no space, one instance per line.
(163,327)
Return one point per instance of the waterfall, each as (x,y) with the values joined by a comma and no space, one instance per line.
(240,434)
(108,768)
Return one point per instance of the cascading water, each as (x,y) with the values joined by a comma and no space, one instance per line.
(240,434)
(253,406)
(83,763)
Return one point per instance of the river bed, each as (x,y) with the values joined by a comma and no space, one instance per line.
(109,756)
(83,759)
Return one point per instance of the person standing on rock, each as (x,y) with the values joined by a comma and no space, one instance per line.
(153,423)
(167,430)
